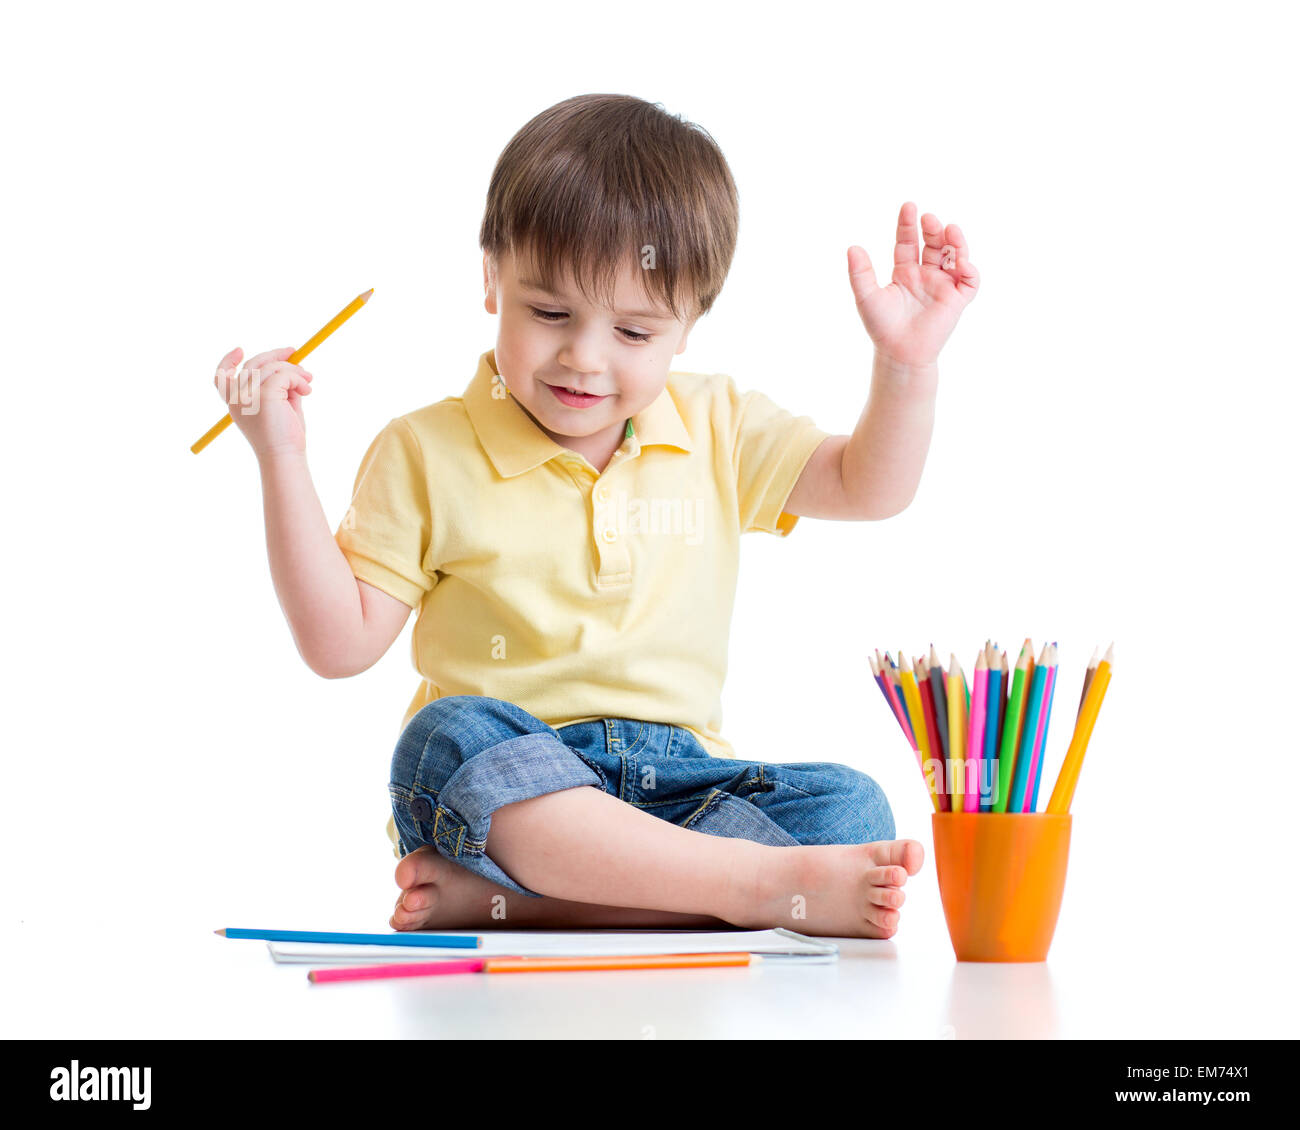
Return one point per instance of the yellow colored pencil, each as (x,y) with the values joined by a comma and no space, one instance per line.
(956,735)
(912,694)
(1068,778)
(300,353)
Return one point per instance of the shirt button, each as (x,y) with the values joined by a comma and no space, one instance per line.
(608,534)
(602,494)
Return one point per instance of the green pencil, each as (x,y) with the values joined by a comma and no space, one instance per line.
(1011,732)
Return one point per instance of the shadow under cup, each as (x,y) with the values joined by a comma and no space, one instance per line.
(1001,877)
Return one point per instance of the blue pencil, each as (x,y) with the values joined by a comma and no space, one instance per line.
(1047,722)
(431,941)
(1020,782)
(992,739)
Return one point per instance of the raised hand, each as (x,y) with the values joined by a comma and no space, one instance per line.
(265,399)
(910,319)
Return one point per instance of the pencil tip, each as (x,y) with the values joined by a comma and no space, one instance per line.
(366,297)
(220,932)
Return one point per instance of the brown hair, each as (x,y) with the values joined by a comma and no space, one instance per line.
(588,183)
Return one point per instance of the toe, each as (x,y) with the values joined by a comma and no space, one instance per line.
(883,918)
(907,854)
(416,868)
(886,896)
(417,898)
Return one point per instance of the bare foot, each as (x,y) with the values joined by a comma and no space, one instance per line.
(438,893)
(838,890)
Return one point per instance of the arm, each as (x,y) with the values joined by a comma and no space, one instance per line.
(873,473)
(341,626)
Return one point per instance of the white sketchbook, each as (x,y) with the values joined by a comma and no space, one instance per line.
(775,945)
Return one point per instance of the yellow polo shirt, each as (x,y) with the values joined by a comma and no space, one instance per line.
(572,593)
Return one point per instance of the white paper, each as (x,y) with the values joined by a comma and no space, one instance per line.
(778,944)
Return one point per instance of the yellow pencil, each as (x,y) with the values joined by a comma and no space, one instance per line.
(913,696)
(956,735)
(315,340)
(1063,793)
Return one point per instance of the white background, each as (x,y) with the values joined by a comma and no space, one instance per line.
(1113,459)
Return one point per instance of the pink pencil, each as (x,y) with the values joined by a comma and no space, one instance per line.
(1048,657)
(975,731)
(402,969)
(895,701)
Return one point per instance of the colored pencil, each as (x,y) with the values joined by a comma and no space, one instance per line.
(912,696)
(989,761)
(1025,754)
(1087,681)
(535,965)
(1006,687)
(957,733)
(432,941)
(939,698)
(1010,734)
(1040,742)
(1068,778)
(295,357)
(896,696)
(629,961)
(992,734)
(975,745)
(936,746)
(882,683)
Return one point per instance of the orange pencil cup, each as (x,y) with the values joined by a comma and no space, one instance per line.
(1001,877)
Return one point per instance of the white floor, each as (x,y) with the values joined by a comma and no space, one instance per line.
(165,977)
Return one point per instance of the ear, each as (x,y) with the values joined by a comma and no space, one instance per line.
(489,284)
(681,345)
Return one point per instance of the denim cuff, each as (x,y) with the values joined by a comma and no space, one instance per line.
(523,767)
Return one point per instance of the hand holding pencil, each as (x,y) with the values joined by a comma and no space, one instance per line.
(265,399)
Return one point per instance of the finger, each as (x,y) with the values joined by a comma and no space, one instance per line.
(282,354)
(932,233)
(275,368)
(862,275)
(907,248)
(968,278)
(226,367)
(231,358)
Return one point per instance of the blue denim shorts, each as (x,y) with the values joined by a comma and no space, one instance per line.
(463,757)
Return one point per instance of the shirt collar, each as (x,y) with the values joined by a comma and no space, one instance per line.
(515,444)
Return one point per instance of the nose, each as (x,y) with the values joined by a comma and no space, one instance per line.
(581,354)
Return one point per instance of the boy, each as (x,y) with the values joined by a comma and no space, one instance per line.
(568,531)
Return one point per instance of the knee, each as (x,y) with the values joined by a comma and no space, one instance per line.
(869,805)
(427,750)
(446,732)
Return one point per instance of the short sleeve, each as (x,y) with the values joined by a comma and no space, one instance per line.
(385,533)
(770,449)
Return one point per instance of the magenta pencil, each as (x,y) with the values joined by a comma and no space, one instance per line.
(883,683)
(1035,767)
(402,969)
(900,709)
(975,734)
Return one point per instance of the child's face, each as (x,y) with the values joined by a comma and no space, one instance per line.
(548,341)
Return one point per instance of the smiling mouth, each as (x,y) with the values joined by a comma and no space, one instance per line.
(575,392)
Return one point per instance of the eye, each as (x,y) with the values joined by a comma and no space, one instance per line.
(553,316)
